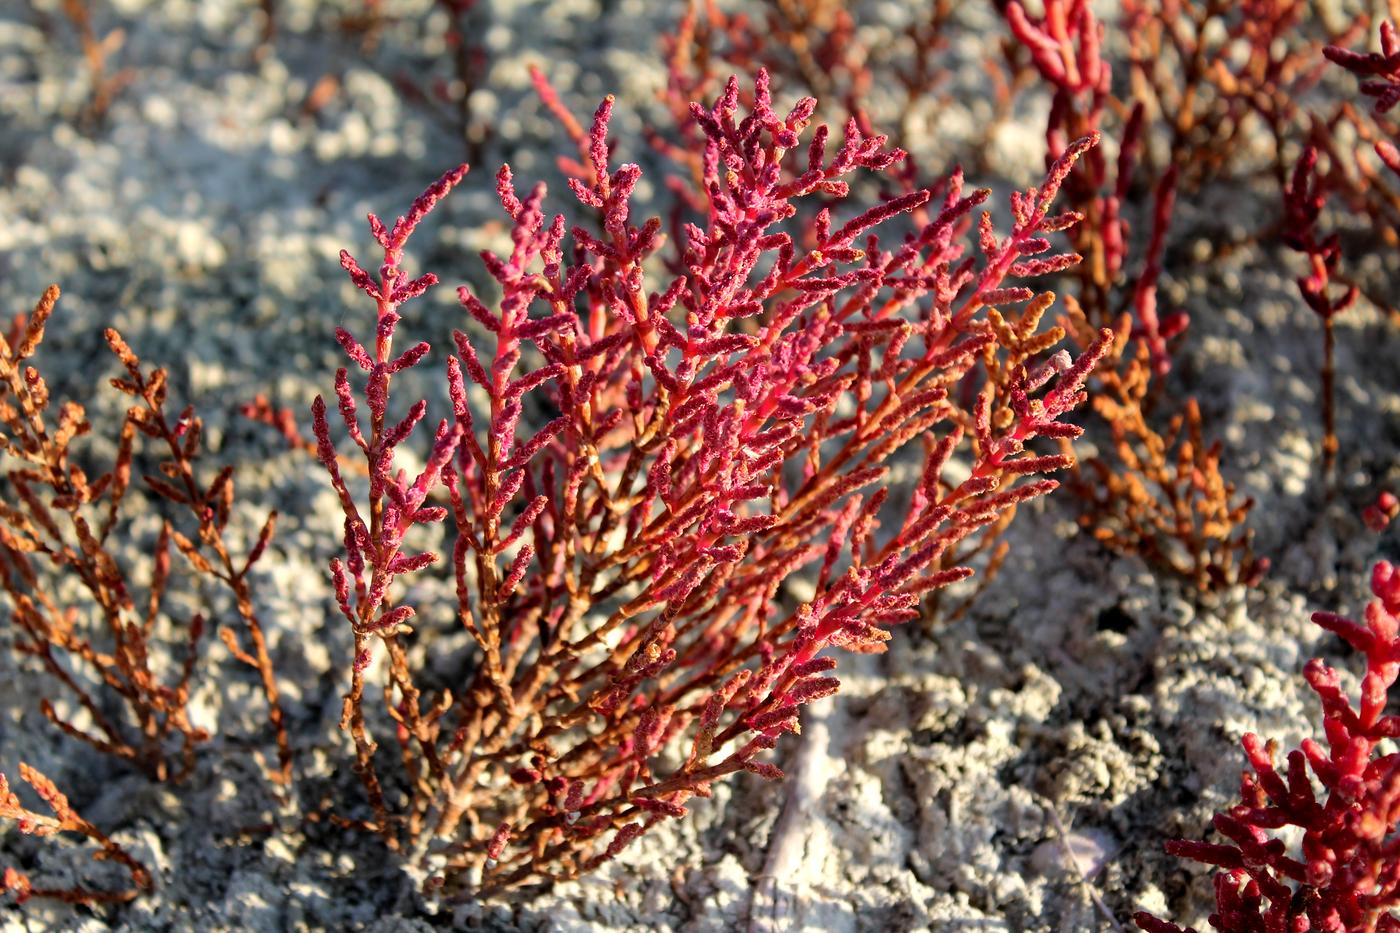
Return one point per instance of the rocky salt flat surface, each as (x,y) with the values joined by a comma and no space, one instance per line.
(1015,769)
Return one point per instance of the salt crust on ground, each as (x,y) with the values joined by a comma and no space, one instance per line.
(1080,694)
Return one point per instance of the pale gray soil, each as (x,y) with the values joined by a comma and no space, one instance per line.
(1013,770)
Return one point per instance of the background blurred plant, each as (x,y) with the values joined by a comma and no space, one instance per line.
(104,82)
(449,61)
(448,95)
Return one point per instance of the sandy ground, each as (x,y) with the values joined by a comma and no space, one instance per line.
(1015,770)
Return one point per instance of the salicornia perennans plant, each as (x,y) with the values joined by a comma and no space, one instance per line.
(1344,873)
(709,435)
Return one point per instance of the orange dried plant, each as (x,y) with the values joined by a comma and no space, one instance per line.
(56,520)
(1160,495)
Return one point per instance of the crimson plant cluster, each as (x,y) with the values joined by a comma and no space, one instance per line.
(665,479)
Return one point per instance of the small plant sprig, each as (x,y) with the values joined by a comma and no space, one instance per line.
(1065,45)
(621,565)
(1303,200)
(56,519)
(1344,873)
(65,820)
(104,84)
(374,537)
(1380,69)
